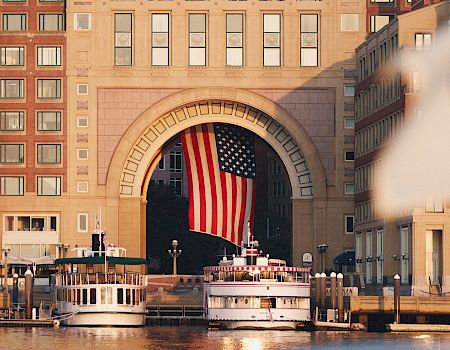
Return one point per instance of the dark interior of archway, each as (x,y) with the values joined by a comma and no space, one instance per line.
(167,217)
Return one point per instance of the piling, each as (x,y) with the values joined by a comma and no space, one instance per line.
(28,294)
(317,280)
(333,290)
(396,298)
(340,296)
(15,293)
(323,290)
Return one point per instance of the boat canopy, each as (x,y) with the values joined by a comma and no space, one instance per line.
(91,260)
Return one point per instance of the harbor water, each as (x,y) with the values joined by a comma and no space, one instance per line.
(198,338)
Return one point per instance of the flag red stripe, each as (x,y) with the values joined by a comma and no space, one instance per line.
(190,176)
(212,178)
(224,214)
(233,206)
(243,205)
(201,182)
(252,212)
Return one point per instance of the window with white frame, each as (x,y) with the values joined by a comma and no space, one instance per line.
(176,160)
(11,153)
(271,39)
(404,254)
(235,39)
(309,40)
(423,41)
(369,257)
(82,89)
(82,21)
(11,88)
(83,222)
(51,22)
(14,22)
(83,122)
(160,39)
(349,22)
(48,56)
(49,88)
(380,257)
(49,185)
(349,188)
(197,39)
(49,153)
(349,221)
(349,123)
(49,121)
(377,22)
(82,186)
(11,185)
(82,154)
(12,55)
(11,121)
(349,156)
(349,90)
(123,28)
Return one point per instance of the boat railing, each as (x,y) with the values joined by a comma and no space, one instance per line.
(75,279)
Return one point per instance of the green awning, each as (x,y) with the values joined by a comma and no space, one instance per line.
(91,260)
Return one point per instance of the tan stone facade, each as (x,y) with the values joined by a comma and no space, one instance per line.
(131,111)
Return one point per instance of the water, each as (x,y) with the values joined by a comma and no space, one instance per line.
(199,338)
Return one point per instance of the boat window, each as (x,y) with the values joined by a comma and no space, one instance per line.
(69,295)
(136,297)
(109,295)
(78,296)
(128,296)
(119,295)
(85,296)
(103,295)
(93,296)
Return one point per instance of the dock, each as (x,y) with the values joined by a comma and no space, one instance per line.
(28,323)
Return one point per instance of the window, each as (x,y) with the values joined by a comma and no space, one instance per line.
(379,21)
(235,40)
(82,186)
(82,89)
(83,220)
(11,185)
(380,257)
(49,56)
(82,122)
(123,27)
(349,90)
(175,184)
(49,88)
(49,185)
(272,39)
(309,30)
(423,41)
(14,22)
(11,56)
(82,154)
(349,156)
(161,164)
(404,250)
(11,121)
(369,257)
(349,123)
(349,188)
(11,153)
(49,154)
(381,0)
(160,39)
(11,88)
(49,121)
(175,161)
(349,221)
(82,21)
(51,22)
(349,22)
(197,39)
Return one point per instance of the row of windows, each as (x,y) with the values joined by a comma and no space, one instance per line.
(46,121)
(175,183)
(47,56)
(46,185)
(38,0)
(46,153)
(46,88)
(47,22)
(377,134)
(88,296)
(365,176)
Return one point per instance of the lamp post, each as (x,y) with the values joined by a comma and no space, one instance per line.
(5,275)
(174,253)
(322,249)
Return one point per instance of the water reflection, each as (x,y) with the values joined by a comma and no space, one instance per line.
(198,338)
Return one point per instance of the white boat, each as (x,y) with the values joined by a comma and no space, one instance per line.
(255,292)
(100,290)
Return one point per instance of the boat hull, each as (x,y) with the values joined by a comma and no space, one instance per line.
(258,325)
(105,319)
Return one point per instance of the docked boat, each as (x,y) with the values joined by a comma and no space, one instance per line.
(96,290)
(255,292)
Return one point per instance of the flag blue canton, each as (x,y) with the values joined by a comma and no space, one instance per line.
(236,150)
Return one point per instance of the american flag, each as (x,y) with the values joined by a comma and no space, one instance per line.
(220,162)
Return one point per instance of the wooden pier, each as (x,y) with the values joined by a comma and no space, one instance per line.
(28,323)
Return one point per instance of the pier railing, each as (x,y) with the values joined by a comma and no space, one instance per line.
(173,312)
(75,279)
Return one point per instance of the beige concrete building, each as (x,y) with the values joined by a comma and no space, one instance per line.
(139,72)
(412,242)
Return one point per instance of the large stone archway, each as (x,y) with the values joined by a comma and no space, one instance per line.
(140,148)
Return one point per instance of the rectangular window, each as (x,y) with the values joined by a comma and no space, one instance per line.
(235,39)
(161,164)
(49,154)
(349,123)
(349,156)
(272,40)
(197,39)
(83,220)
(14,22)
(11,88)
(49,121)
(349,22)
(51,22)
(123,26)
(82,21)
(82,186)
(82,122)
(349,221)
(11,153)
(11,185)
(49,56)
(176,185)
(309,41)
(82,154)
(379,21)
(349,188)
(349,90)
(369,257)
(423,41)
(160,39)
(176,161)
(49,88)
(82,89)
(380,257)
(11,56)
(11,121)
(404,250)
(49,185)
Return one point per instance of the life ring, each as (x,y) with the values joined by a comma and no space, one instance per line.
(56,323)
